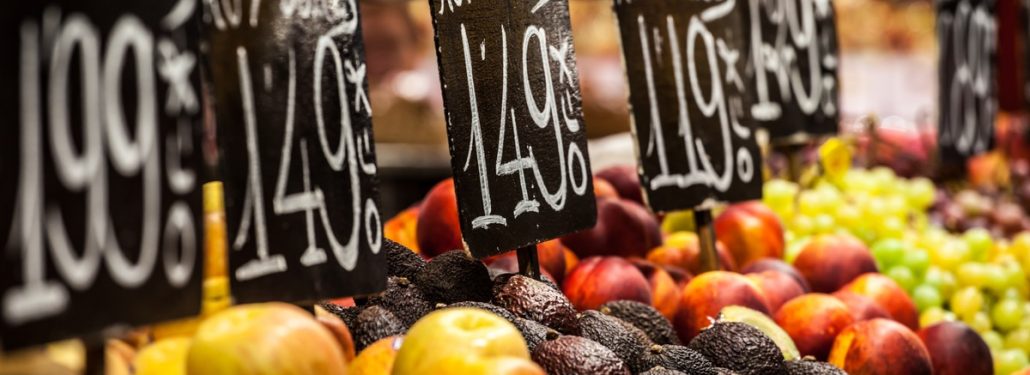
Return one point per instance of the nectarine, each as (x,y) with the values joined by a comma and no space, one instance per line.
(830,261)
(888,295)
(706,295)
(880,346)
(813,321)
(597,280)
(750,231)
(438,229)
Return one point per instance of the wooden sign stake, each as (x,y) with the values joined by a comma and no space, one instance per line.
(706,238)
(529,264)
(96,353)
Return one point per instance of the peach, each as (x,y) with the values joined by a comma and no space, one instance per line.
(403,228)
(813,321)
(956,349)
(830,261)
(880,346)
(339,330)
(551,255)
(597,280)
(571,260)
(665,291)
(438,229)
(705,295)
(750,231)
(623,228)
(377,359)
(625,180)
(778,288)
(888,295)
(682,249)
(770,264)
(861,307)
(604,189)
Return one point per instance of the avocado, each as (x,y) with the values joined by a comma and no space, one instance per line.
(809,367)
(504,277)
(349,315)
(531,299)
(402,299)
(499,311)
(645,317)
(374,323)
(724,371)
(454,277)
(659,370)
(625,340)
(534,333)
(401,261)
(574,355)
(680,358)
(741,348)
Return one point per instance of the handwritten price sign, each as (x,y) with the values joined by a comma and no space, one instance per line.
(968,35)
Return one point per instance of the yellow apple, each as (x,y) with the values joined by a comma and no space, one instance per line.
(163,357)
(463,341)
(266,338)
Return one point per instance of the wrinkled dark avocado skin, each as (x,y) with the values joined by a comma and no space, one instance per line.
(662,371)
(534,333)
(645,317)
(401,261)
(374,323)
(805,367)
(531,299)
(403,299)
(574,355)
(741,348)
(625,340)
(679,358)
(454,277)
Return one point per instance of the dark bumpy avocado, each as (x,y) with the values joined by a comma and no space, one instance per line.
(402,299)
(659,370)
(741,348)
(534,333)
(454,277)
(807,367)
(500,311)
(625,340)
(531,299)
(680,358)
(504,277)
(724,371)
(574,355)
(349,315)
(374,323)
(401,261)
(645,317)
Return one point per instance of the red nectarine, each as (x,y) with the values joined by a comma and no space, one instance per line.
(438,229)
(813,321)
(705,295)
(880,346)
(750,231)
(888,295)
(597,280)
(830,261)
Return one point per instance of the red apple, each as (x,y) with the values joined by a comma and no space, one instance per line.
(956,349)
(861,307)
(770,264)
(813,321)
(705,295)
(597,280)
(830,261)
(623,228)
(438,229)
(625,180)
(880,346)
(778,288)
(888,295)
(751,231)
(682,249)
(665,291)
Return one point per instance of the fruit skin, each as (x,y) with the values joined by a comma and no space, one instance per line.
(646,318)
(629,343)
(454,277)
(534,333)
(438,229)
(624,228)
(830,261)
(402,261)
(813,321)
(955,349)
(682,249)
(266,338)
(665,291)
(377,359)
(778,288)
(625,180)
(604,189)
(403,299)
(770,264)
(475,339)
(678,358)
(706,295)
(531,299)
(597,280)
(571,355)
(403,228)
(373,324)
(659,370)
(163,357)
(751,231)
(861,307)
(880,346)
(739,347)
(550,254)
(888,295)
(340,331)
(807,367)
(765,324)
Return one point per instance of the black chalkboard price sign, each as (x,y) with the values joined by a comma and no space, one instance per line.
(514,120)
(100,208)
(695,140)
(295,131)
(967,33)
(792,67)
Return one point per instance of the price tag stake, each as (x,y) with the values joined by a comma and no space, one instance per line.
(706,239)
(529,264)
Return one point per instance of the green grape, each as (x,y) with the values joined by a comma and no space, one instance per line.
(966,302)
(903,276)
(921,193)
(993,340)
(888,252)
(943,280)
(952,254)
(926,296)
(803,225)
(891,227)
(823,223)
(916,259)
(1018,339)
(997,278)
(1007,314)
(811,203)
(777,191)
(932,315)
(973,274)
(980,243)
(1007,361)
(849,216)
(980,322)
